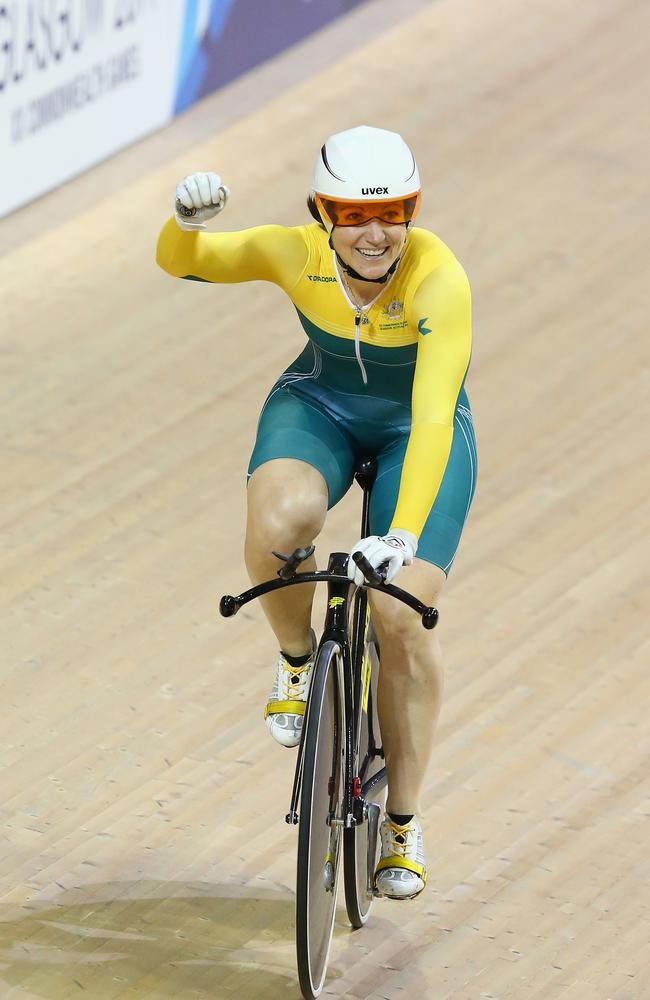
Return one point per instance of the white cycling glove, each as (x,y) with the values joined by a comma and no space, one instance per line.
(199,197)
(396,549)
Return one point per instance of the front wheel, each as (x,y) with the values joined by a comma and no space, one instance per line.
(318,838)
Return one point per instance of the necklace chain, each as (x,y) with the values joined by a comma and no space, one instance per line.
(355,301)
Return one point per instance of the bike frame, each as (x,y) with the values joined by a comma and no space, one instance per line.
(336,629)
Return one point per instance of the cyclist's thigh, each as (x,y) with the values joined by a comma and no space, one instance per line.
(443,528)
(291,427)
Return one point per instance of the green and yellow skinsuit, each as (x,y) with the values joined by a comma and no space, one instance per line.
(386,380)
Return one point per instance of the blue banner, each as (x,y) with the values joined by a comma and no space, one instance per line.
(80,79)
(224,38)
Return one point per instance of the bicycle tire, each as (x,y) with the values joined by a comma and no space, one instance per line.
(319,843)
(358,900)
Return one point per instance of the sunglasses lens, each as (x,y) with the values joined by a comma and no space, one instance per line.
(348,213)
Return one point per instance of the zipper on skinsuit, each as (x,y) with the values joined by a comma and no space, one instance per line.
(357,342)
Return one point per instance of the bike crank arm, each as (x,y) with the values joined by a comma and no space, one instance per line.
(374,812)
(346,823)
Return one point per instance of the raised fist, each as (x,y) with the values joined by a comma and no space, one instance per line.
(199,197)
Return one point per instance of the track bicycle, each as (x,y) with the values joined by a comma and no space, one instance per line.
(340,778)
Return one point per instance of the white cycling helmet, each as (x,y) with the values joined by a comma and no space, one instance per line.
(364,165)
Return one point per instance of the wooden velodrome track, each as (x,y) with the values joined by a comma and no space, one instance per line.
(143,848)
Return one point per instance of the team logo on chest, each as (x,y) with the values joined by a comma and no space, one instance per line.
(392,316)
(393,310)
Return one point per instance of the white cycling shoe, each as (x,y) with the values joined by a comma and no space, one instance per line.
(401,872)
(285,709)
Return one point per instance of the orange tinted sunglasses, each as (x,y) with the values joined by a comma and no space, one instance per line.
(395,212)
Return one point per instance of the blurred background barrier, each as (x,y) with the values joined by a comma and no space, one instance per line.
(80,79)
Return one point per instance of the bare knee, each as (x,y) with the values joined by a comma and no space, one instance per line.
(409,653)
(399,628)
(287,505)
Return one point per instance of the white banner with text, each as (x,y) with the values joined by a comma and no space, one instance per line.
(80,79)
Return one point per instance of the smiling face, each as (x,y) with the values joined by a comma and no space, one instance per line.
(371,248)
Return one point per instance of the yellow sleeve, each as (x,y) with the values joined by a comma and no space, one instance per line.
(264,253)
(442,313)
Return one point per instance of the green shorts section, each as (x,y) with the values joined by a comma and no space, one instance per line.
(295,424)
(293,427)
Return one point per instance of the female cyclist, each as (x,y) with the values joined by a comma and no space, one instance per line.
(386,309)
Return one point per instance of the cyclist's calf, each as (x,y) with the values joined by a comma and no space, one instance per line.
(411,682)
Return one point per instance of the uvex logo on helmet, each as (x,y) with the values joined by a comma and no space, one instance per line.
(374,190)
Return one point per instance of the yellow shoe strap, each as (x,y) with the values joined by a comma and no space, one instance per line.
(290,707)
(397,862)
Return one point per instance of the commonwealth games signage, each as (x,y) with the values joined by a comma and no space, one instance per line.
(79,79)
